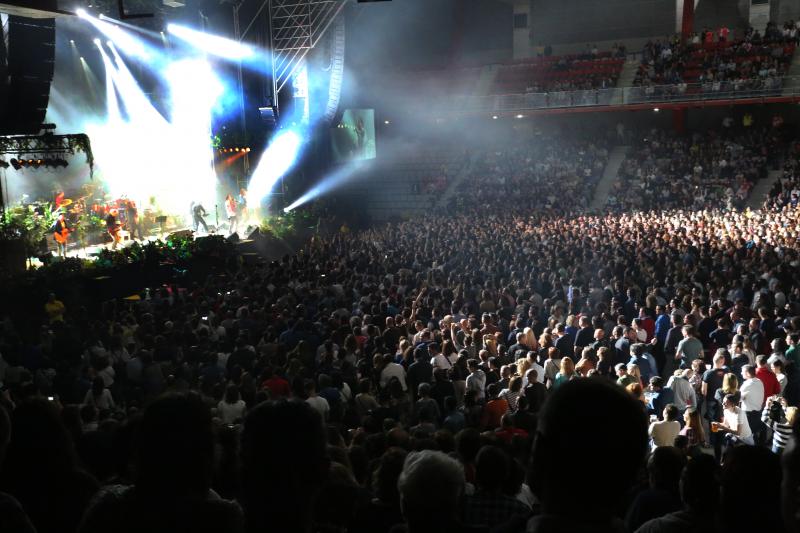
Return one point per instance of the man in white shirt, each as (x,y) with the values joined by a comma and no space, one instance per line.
(392,370)
(663,433)
(319,403)
(684,392)
(752,391)
(734,421)
(534,366)
(438,359)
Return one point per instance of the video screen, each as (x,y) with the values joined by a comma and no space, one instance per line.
(353,139)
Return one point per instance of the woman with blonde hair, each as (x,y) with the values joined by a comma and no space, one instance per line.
(530,339)
(635,372)
(523,365)
(570,327)
(490,343)
(730,385)
(565,373)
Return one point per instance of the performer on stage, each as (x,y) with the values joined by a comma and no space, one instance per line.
(61,231)
(112,226)
(133,221)
(230,212)
(243,212)
(198,212)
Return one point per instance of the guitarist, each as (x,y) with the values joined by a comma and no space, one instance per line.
(61,231)
(113,227)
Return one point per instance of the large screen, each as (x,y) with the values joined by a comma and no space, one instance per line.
(353,138)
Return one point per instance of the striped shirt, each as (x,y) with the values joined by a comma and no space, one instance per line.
(781,431)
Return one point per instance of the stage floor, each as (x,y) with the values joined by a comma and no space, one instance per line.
(93,251)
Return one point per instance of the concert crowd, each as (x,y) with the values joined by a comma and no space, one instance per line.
(499,370)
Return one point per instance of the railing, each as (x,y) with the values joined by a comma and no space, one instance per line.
(620,96)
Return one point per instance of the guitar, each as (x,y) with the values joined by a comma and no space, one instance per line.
(62,236)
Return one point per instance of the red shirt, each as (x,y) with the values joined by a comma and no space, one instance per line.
(278,387)
(493,413)
(771,385)
(507,434)
(649,325)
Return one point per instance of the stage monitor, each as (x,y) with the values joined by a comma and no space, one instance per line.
(353,138)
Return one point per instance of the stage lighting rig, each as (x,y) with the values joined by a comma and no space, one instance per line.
(3,163)
(16,164)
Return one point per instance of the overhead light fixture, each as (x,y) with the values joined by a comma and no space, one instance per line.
(71,41)
(386,122)
(520,116)
(494,117)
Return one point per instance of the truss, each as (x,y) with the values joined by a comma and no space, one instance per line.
(296,27)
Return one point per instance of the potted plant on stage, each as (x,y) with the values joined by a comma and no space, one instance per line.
(23,232)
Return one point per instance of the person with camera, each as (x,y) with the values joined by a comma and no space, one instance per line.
(780,418)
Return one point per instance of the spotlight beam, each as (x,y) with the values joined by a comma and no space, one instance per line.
(327,184)
(129,26)
(275,162)
(212,44)
(127,42)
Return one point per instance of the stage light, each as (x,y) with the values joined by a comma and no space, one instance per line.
(71,41)
(248,149)
(386,122)
(494,117)
(656,110)
(82,13)
(520,116)
(3,163)
(212,44)
(15,163)
(96,41)
(81,58)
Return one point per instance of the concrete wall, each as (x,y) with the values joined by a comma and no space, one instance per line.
(783,10)
(582,21)
(716,13)
(522,36)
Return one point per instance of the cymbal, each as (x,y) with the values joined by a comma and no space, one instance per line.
(66,202)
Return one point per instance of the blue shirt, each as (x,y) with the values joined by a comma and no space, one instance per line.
(662,327)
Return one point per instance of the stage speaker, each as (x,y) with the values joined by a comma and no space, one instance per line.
(254,234)
(233,237)
(27,62)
